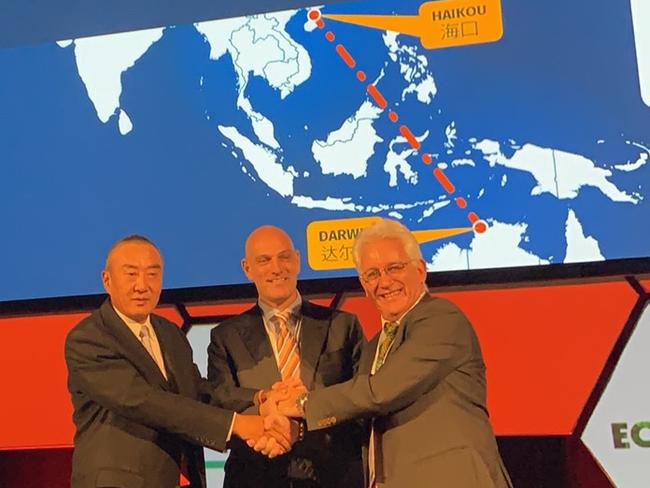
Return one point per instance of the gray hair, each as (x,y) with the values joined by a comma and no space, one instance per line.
(386,229)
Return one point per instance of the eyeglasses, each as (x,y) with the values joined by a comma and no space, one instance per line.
(391,269)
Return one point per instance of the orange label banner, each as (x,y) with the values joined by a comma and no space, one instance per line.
(440,24)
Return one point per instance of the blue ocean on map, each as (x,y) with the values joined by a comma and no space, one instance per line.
(193,135)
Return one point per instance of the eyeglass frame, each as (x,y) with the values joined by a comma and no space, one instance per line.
(401,265)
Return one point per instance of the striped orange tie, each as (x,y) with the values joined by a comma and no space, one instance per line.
(288,357)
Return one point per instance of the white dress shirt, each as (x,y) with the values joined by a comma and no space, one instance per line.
(293,324)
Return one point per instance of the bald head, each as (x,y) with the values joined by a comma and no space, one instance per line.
(262,236)
(272,264)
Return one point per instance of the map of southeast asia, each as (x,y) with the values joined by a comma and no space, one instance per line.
(536,141)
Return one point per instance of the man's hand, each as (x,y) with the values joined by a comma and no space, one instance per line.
(282,399)
(270,404)
(272,436)
(279,435)
(289,404)
(248,426)
(279,432)
(289,384)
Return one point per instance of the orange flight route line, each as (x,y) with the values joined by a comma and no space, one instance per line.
(479,226)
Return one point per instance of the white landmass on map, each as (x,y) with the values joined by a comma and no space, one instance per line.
(413,68)
(462,162)
(329,203)
(433,209)
(451,134)
(396,162)
(498,247)
(101,60)
(579,248)
(259,46)
(346,203)
(124,123)
(348,148)
(265,162)
(559,173)
(629,166)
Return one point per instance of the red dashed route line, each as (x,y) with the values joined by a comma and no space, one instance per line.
(479,226)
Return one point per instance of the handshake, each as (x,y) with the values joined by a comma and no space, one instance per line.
(278,427)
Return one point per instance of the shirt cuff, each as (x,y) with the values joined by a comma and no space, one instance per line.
(259,397)
(232,424)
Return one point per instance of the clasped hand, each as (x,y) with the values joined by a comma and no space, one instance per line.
(279,403)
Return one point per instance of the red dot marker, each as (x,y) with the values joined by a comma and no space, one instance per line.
(319,23)
(314,15)
(329,35)
(479,226)
(410,138)
(377,97)
(361,76)
(392,116)
(461,202)
(444,182)
(426,158)
(345,56)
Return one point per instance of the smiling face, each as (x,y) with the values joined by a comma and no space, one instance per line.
(393,294)
(273,265)
(133,279)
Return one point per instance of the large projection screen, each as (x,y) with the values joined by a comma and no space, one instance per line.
(519,136)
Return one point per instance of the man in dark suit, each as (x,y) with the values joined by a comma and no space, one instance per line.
(285,337)
(422,379)
(136,391)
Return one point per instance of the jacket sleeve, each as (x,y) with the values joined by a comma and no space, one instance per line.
(437,340)
(109,379)
(226,392)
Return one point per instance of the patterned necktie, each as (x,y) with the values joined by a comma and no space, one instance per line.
(390,329)
(288,357)
(145,338)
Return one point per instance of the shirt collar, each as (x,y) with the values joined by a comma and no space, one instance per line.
(132,324)
(399,320)
(293,310)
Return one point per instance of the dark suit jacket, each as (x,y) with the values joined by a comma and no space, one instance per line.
(428,401)
(241,362)
(132,424)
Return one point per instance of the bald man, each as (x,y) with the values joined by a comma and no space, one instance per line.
(135,389)
(285,337)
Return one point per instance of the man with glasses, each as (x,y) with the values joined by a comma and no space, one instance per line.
(280,338)
(422,379)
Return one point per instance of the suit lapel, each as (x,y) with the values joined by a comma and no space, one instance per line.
(168,346)
(368,355)
(313,333)
(256,340)
(133,348)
